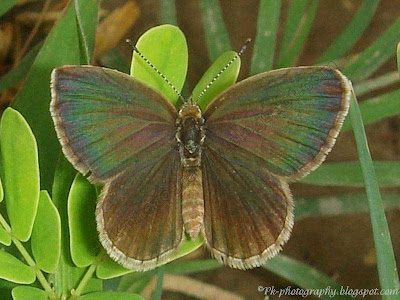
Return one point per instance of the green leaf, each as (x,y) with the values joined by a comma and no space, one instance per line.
(217,38)
(12,269)
(66,276)
(302,275)
(6,5)
(84,242)
(1,191)
(168,12)
(267,28)
(388,276)
(110,269)
(372,58)
(298,24)
(225,80)
(21,172)
(19,72)
(377,108)
(5,237)
(350,174)
(110,296)
(46,235)
(61,47)
(28,293)
(165,47)
(352,33)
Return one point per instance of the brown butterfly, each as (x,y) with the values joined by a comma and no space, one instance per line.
(222,174)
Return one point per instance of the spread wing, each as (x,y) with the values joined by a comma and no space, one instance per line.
(122,132)
(260,133)
(106,120)
(286,120)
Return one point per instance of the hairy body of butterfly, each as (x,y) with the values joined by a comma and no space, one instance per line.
(223,173)
(190,138)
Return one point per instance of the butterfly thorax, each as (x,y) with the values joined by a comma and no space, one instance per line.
(190,138)
(190,135)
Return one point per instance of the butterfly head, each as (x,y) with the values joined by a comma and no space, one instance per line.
(190,134)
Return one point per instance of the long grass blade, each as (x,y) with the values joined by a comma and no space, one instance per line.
(6,5)
(217,39)
(350,174)
(387,270)
(352,32)
(298,24)
(372,58)
(376,83)
(341,205)
(303,275)
(267,27)
(168,12)
(377,108)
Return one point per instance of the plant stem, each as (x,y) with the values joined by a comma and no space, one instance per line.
(39,275)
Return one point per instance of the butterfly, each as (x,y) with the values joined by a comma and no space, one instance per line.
(222,173)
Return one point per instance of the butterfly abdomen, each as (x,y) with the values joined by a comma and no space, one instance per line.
(192,201)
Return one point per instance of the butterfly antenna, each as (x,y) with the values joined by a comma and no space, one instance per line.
(246,44)
(155,69)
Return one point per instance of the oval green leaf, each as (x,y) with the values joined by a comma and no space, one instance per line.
(84,242)
(108,269)
(165,47)
(5,237)
(12,269)
(1,191)
(28,293)
(46,234)
(225,80)
(110,296)
(21,172)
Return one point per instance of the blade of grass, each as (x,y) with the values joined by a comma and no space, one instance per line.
(387,270)
(398,57)
(6,5)
(372,58)
(350,174)
(114,59)
(19,72)
(217,38)
(298,24)
(340,205)
(158,288)
(352,32)
(376,83)
(303,275)
(168,12)
(87,26)
(267,28)
(377,108)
